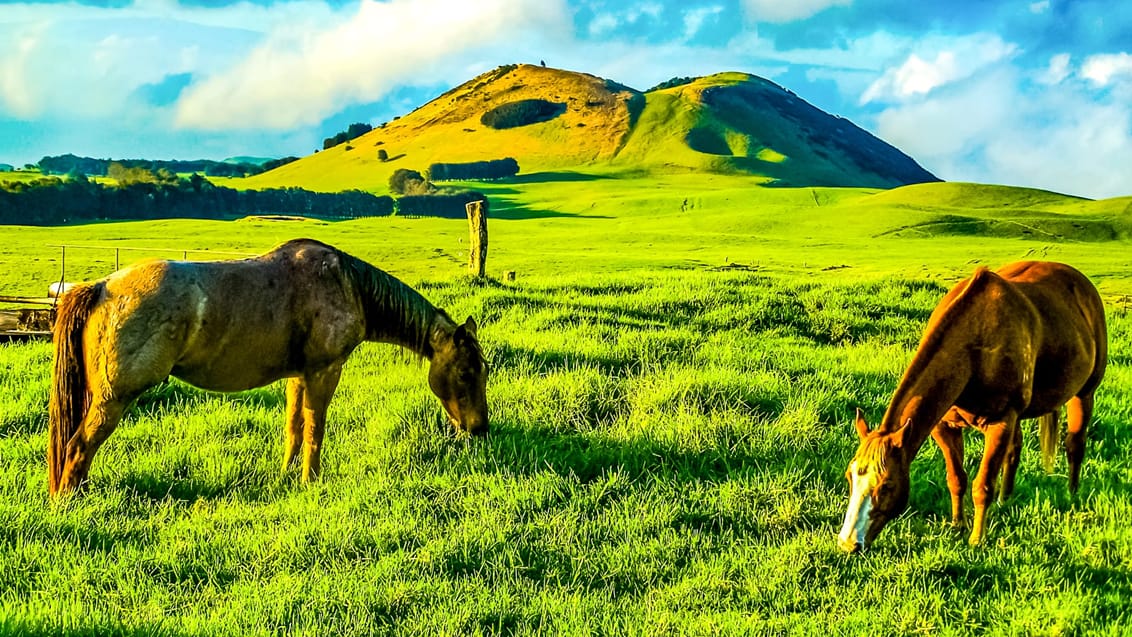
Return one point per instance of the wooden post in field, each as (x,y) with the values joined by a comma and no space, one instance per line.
(477,233)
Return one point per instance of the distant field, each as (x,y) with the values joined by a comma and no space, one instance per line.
(675,369)
(20,175)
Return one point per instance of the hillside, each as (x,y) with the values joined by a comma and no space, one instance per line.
(730,123)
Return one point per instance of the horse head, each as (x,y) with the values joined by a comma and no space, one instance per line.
(458,377)
(878,485)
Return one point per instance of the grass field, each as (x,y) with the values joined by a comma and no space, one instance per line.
(674,374)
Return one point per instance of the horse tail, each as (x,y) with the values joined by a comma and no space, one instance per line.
(1047,438)
(70,395)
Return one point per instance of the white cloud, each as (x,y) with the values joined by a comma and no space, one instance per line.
(998,128)
(1057,71)
(944,129)
(1039,7)
(602,24)
(78,61)
(607,22)
(294,79)
(914,77)
(17,90)
(1102,69)
(1085,151)
(694,19)
(245,15)
(961,58)
(788,10)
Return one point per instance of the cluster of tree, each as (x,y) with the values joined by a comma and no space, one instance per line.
(70,164)
(491,169)
(354,130)
(450,205)
(420,198)
(676,81)
(405,181)
(50,200)
(228,169)
(521,113)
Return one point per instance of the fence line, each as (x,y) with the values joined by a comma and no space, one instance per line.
(118,249)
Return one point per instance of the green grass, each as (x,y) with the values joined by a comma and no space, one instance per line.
(675,370)
(20,176)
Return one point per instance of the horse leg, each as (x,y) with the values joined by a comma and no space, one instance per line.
(998,436)
(1078,412)
(1010,464)
(950,441)
(100,420)
(319,389)
(293,427)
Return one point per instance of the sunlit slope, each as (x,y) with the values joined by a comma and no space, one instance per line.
(731,123)
(735,122)
(1002,211)
(595,115)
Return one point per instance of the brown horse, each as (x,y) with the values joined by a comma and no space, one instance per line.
(296,312)
(1001,346)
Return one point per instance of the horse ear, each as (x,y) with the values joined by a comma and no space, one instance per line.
(470,325)
(862,426)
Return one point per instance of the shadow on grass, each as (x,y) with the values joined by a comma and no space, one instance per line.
(86,628)
(23,424)
(174,393)
(518,212)
(92,538)
(552,176)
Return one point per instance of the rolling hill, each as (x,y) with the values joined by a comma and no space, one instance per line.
(730,123)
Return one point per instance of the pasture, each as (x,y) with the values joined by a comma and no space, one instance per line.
(674,374)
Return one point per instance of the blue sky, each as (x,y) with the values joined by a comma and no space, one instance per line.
(1027,92)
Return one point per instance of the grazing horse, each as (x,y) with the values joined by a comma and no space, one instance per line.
(296,312)
(1001,346)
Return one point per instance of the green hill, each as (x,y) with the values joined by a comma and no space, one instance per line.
(730,123)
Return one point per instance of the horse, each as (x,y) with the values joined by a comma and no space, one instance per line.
(1017,343)
(296,312)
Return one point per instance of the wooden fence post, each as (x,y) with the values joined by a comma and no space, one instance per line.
(477,233)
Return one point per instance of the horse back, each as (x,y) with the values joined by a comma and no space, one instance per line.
(233,325)
(1074,332)
(1027,337)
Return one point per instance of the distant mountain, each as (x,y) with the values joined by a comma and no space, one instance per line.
(232,167)
(551,119)
(245,159)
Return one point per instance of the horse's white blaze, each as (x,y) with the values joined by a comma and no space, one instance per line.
(857,515)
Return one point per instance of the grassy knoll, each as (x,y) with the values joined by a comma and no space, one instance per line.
(674,374)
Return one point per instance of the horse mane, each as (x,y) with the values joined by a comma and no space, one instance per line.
(872,453)
(951,310)
(393,310)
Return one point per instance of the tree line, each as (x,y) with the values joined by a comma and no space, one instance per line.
(356,129)
(490,169)
(53,201)
(142,194)
(74,165)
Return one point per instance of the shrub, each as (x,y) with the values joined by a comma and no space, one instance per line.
(521,113)
(676,81)
(491,169)
(405,181)
(355,130)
